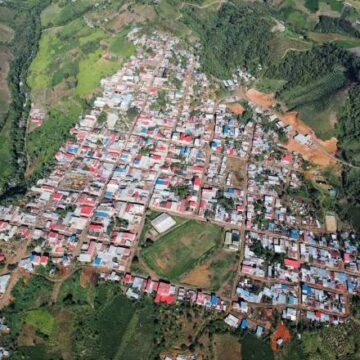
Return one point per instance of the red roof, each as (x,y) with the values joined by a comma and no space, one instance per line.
(163,294)
(295,264)
(128,279)
(197,181)
(86,210)
(57,196)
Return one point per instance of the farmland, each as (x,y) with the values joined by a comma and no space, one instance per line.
(182,249)
(61,83)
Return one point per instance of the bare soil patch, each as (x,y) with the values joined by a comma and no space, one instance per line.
(281,332)
(236,108)
(260,99)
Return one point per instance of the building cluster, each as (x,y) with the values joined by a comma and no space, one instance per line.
(317,286)
(156,139)
(164,292)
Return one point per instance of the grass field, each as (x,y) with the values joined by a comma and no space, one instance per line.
(340,39)
(227,347)
(253,348)
(5,148)
(182,249)
(119,45)
(213,273)
(42,320)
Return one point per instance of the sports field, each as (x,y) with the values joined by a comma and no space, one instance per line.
(180,250)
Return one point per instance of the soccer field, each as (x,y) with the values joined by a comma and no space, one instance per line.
(178,251)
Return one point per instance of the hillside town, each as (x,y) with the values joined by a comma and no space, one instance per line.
(158,140)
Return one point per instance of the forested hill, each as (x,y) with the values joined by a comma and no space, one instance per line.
(236,35)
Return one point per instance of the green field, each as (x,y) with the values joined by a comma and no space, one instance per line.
(284,42)
(42,320)
(119,45)
(5,148)
(253,348)
(178,251)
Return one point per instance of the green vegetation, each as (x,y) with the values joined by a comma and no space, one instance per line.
(340,25)
(94,320)
(312,5)
(42,320)
(318,89)
(121,46)
(181,249)
(284,42)
(238,35)
(23,17)
(321,115)
(254,348)
(350,127)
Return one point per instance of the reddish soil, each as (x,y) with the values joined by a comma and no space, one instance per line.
(281,332)
(260,99)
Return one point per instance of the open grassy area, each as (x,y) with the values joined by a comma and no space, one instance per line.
(119,45)
(340,39)
(181,249)
(253,348)
(227,347)
(42,320)
(214,273)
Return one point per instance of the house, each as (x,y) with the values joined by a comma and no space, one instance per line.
(165,293)
(232,321)
(4,281)
(163,223)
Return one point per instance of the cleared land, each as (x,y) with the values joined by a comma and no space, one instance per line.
(180,250)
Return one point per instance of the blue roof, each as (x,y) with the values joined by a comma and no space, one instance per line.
(102,214)
(108,194)
(243,323)
(160,181)
(97,261)
(294,234)
(214,299)
(307,289)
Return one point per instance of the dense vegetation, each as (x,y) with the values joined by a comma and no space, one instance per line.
(236,35)
(23,47)
(329,24)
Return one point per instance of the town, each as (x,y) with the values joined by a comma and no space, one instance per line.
(158,141)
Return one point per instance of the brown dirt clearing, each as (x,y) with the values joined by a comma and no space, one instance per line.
(236,108)
(260,99)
